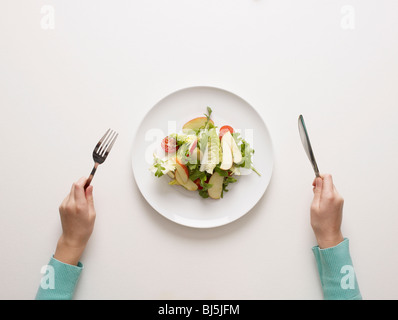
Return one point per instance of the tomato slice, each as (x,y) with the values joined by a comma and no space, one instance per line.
(224,129)
(197,181)
(169,145)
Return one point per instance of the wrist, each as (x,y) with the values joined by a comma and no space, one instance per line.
(68,252)
(328,241)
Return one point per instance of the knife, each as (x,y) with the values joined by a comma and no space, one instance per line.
(307,144)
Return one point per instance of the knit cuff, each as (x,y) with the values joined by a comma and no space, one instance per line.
(59,280)
(336,272)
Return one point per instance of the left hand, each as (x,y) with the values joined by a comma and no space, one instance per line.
(77,218)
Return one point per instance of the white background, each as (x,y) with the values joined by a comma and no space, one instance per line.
(106,63)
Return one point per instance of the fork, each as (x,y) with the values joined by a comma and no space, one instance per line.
(101,151)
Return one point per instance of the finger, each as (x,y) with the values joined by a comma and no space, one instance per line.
(320,176)
(314,185)
(317,191)
(81,181)
(79,189)
(89,197)
(90,202)
(328,187)
(71,194)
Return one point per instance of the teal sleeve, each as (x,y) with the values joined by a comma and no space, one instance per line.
(336,271)
(59,281)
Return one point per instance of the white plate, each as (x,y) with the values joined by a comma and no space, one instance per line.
(187,207)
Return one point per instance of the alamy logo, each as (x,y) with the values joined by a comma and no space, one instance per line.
(47,21)
(348,280)
(48,279)
(347,21)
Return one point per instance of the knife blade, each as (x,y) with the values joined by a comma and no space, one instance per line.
(307,144)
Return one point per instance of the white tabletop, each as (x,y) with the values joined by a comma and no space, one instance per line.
(71,69)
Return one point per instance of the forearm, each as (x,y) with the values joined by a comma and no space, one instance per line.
(336,272)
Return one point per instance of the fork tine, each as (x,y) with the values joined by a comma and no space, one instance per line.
(111,145)
(105,142)
(102,139)
(111,136)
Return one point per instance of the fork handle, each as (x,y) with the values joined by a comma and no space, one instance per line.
(91,175)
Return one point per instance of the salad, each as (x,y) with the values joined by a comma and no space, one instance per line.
(204,158)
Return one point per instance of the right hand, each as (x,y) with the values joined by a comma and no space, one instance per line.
(326,212)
